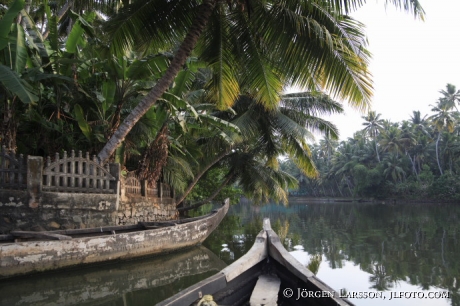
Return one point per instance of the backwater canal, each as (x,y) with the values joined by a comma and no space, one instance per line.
(404,254)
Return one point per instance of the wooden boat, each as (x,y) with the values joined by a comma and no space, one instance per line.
(42,251)
(266,275)
(113,284)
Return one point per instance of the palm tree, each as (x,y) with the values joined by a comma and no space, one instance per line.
(327,145)
(373,125)
(266,134)
(393,168)
(319,46)
(450,96)
(391,140)
(442,120)
(419,128)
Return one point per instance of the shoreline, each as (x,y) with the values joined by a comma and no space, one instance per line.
(390,201)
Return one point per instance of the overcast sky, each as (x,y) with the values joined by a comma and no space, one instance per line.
(412,60)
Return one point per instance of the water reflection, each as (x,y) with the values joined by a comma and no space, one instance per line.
(380,247)
(357,247)
(138,282)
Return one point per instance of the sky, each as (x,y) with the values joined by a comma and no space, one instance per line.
(412,60)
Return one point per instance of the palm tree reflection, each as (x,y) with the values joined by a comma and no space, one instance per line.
(380,279)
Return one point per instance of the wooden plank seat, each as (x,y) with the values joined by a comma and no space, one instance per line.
(265,292)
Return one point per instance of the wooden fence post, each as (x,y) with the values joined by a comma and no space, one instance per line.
(115,171)
(144,188)
(34,179)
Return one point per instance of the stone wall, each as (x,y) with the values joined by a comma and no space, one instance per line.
(38,208)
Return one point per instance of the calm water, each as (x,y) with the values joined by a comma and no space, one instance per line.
(378,250)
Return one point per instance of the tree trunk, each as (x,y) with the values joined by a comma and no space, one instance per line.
(349,188)
(198,176)
(437,153)
(412,161)
(211,197)
(156,152)
(175,67)
(338,187)
(377,150)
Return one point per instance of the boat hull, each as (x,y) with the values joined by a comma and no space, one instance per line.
(37,256)
(236,284)
(110,284)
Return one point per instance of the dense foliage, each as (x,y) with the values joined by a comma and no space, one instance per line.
(174,97)
(418,158)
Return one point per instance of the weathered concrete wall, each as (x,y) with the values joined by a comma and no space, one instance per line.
(135,209)
(60,210)
(35,206)
(14,210)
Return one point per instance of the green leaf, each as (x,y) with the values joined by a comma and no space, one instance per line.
(53,35)
(182,82)
(109,88)
(35,75)
(82,123)
(34,38)
(159,64)
(11,80)
(178,102)
(7,20)
(17,49)
(81,27)
(217,122)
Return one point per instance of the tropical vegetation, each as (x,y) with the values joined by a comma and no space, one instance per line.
(195,93)
(418,158)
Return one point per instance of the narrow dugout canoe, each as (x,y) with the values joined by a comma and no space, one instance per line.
(35,252)
(266,275)
(111,284)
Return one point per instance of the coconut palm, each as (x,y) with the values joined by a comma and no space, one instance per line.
(391,140)
(450,96)
(308,43)
(442,120)
(373,125)
(393,168)
(266,134)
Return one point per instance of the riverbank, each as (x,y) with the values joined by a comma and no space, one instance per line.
(390,201)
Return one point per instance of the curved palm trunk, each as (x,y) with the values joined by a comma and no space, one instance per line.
(437,153)
(198,176)
(211,197)
(184,51)
(377,150)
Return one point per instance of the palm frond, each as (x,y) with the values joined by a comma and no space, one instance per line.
(332,56)
(158,23)
(217,49)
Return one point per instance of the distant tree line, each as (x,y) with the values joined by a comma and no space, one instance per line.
(418,158)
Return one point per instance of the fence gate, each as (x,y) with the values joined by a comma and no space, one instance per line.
(77,174)
(13,170)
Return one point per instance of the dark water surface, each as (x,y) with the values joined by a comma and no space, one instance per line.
(405,254)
